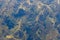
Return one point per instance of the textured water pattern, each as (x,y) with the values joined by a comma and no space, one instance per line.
(29,19)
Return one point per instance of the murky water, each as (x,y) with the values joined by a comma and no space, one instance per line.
(29,20)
